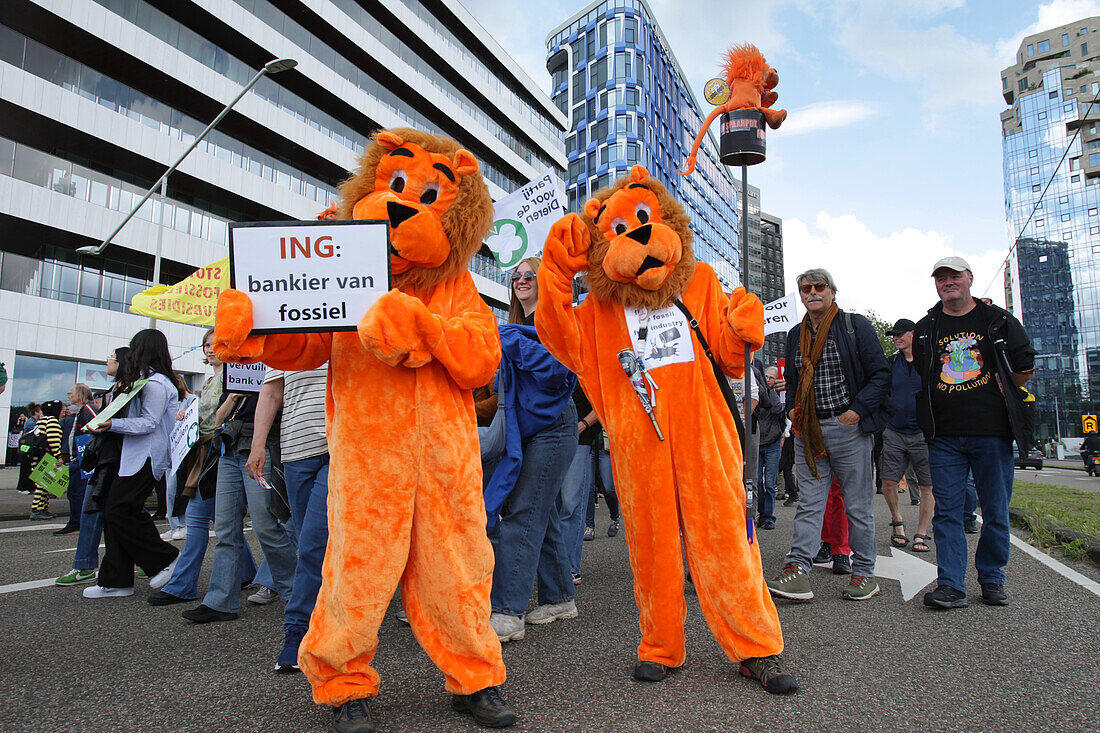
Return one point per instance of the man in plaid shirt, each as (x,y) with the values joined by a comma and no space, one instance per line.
(837,385)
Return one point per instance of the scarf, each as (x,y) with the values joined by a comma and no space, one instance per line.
(805,421)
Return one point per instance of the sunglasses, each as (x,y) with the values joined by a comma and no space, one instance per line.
(523,276)
(819,287)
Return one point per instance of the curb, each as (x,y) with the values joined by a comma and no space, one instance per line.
(1060,531)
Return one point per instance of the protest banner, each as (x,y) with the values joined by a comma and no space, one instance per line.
(52,475)
(309,277)
(185,433)
(192,300)
(781,315)
(243,378)
(115,407)
(522,220)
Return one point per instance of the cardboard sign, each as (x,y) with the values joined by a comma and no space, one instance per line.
(185,433)
(309,277)
(522,220)
(115,407)
(52,475)
(781,315)
(243,378)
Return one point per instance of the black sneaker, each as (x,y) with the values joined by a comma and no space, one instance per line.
(67,529)
(842,565)
(353,717)
(824,554)
(164,598)
(487,707)
(993,594)
(792,499)
(945,597)
(970,526)
(768,671)
(651,671)
(287,663)
(202,614)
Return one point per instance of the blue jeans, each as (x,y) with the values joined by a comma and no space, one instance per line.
(307,489)
(185,578)
(528,541)
(971,504)
(75,493)
(603,468)
(170,482)
(237,491)
(766,479)
(91,532)
(575,489)
(990,459)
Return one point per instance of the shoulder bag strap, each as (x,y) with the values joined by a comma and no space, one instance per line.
(723,383)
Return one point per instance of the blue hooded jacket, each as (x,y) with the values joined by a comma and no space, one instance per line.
(534,387)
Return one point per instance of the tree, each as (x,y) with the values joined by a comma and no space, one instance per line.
(881,327)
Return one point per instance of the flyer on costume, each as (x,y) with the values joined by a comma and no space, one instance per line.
(309,277)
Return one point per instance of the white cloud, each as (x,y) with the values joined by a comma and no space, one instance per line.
(827,115)
(889,274)
(1050,15)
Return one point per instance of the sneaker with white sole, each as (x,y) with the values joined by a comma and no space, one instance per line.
(167,534)
(550,612)
(161,579)
(508,627)
(263,596)
(98,591)
(76,577)
(860,588)
(792,583)
(613,528)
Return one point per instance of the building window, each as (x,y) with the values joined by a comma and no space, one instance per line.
(1068,108)
(1075,163)
(1030,50)
(1063,200)
(1035,170)
(1023,84)
(578,114)
(1084,49)
(1094,160)
(1054,94)
(1033,153)
(1039,223)
(599,131)
(623,67)
(598,74)
(1004,82)
(1065,217)
(1036,186)
(1075,178)
(1094,230)
(1065,40)
(578,84)
(1067,235)
(1042,46)
(1083,32)
(630,30)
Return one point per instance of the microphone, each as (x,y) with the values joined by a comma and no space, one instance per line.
(635,372)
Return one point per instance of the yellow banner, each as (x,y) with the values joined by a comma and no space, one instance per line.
(192,300)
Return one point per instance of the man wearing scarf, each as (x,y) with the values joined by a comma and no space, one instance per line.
(838,382)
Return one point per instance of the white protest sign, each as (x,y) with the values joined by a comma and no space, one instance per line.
(243,378)
(781,315)
(185,433)
(307,277)
(522,220)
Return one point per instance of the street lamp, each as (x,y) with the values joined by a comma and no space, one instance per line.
(271,67)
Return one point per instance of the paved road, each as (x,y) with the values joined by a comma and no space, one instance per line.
(885,664)
(1058,476)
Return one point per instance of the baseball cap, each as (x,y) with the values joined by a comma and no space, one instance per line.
(958,264)
(903,325)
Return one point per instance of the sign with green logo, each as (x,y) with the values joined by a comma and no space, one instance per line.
(522,220)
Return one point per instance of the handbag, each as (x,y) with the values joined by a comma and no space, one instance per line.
(494,438)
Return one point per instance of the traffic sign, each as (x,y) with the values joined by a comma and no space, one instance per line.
(1088,423)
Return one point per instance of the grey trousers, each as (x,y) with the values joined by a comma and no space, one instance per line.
(848,455)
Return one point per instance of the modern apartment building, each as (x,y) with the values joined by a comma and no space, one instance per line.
(769,265)
(628,101)
(1051,144)
(99,97)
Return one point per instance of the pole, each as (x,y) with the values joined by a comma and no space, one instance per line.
(160,239)
(749,452)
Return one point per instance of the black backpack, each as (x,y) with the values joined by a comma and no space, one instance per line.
(34,444)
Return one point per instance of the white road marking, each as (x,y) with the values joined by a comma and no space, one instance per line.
(912,572)
(1063,570)
(30,584)
(32,528)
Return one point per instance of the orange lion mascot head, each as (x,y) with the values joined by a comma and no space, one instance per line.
(640,252)
(431,192)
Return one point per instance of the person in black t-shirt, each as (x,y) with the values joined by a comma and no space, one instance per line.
(963,413)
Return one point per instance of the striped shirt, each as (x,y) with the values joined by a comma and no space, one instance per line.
(302,428)
(51,428)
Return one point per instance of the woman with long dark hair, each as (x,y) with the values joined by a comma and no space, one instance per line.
(130,535)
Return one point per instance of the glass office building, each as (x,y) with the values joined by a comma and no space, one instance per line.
(627,102)
(99,97)
(1051,146)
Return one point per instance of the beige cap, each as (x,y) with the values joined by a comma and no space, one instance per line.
(958,264)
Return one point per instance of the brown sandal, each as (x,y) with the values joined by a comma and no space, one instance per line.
(898,539)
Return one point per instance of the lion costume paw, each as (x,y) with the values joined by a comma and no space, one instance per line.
(232,325)
(746,317)
(400,330)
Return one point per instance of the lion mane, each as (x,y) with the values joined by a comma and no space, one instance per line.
(628,294)
(744,62)
(466,222)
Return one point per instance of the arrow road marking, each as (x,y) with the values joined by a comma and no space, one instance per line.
(913,573)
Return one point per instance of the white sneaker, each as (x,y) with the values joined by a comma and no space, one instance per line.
(98,591)
(167,535)
(550,612)
(161,579)
(263,596)
(179,533)
(508,628)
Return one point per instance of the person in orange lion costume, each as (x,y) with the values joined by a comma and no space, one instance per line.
(404,504)
(634,241)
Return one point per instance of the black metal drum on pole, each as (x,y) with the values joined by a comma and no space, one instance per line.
(742,140)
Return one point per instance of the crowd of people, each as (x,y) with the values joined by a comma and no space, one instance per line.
(944,410)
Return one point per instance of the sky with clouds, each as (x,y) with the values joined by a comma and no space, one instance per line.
(890,157)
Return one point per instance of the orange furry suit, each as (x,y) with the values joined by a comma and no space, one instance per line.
(751,83)
(404,502)
(634,241)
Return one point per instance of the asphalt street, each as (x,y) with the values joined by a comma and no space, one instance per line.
(1052,475)
(881,665)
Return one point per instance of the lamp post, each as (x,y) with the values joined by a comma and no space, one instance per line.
(271,67)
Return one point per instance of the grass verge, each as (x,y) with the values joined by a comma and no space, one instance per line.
(1075,509)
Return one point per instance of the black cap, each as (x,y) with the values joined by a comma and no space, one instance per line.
(52,407)
(903,325)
